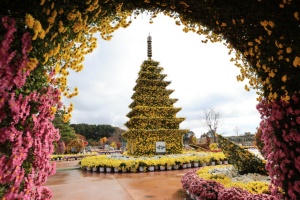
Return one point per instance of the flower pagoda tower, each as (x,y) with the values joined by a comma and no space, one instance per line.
(153,126)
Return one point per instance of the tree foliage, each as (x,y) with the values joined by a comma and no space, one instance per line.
(66,132)
(94,132)
(259,142)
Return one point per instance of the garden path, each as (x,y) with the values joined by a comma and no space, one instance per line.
(69,182)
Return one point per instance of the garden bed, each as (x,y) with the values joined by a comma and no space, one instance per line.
(160,162)
(224,183)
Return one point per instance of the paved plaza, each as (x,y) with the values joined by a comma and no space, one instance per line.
(71,183)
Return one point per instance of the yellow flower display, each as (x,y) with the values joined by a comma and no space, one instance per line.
(131,163)
(153,116)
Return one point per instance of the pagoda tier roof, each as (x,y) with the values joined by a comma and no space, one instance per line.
(150,75)
(151,83)
(149,111)
(155,102)
(132,133)
(151,68)
(153,123)
(157,91)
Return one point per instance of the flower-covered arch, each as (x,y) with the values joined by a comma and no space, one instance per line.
(42,40)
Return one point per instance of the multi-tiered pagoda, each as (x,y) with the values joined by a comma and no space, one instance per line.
(153,127)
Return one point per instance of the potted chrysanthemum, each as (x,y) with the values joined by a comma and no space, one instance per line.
(142,166)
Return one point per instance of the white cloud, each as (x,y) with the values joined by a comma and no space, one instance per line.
(201,74)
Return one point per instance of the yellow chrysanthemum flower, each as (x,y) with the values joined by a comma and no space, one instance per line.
(284,78)
(29,21)
(272,74)
(53,110)
(56,69)
(42,34)
(32,63)
(296,61)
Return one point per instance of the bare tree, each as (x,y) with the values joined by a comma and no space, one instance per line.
(212,120)
(236,130)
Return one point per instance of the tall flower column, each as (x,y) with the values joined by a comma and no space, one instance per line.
(26,129)
(280,133)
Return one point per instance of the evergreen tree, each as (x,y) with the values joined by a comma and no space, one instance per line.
(153,116)
(66,132)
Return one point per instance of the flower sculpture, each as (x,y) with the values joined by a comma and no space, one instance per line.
(153,116)
(243,160)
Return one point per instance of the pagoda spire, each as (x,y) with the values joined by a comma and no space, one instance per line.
(149,41)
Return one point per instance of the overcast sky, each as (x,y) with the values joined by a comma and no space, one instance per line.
(201,74)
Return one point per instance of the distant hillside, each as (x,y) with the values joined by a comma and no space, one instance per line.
(95,132)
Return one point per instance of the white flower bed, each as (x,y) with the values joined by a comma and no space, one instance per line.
(232,173)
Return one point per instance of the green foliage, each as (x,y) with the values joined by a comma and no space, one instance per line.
(67,133)
(243,160)
(94,132)
(258,141)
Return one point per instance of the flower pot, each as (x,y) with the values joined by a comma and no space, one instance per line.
(116,169)
(184,165)
(101,169)
(141,169)
(124,170)
(95,169)
(213,163)
(189,165)
(108,169)
(225,162)
(151,168)
(220,162)
(176,166)
(162,167)
(203,164)
(88,168)
(196,164)
(169,167)
(156,167)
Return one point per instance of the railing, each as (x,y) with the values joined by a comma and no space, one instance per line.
(110,152)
